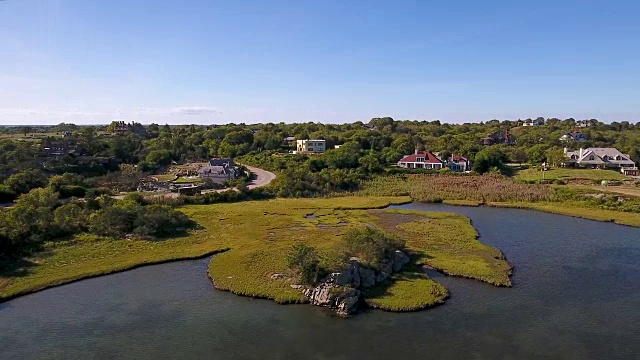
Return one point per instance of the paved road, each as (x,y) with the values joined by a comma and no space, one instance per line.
(262,177)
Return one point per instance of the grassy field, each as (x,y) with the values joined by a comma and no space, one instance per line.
(184,180)
(259,234)
(165,177)
(570,174)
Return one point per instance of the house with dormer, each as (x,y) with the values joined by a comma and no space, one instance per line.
(421,160)
(601,158)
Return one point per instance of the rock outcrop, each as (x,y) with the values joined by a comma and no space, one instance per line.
(342,290)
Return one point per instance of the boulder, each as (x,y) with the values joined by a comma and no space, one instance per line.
(341,290)
(399,260)
(367,277)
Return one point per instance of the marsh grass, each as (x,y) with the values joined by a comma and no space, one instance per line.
(406,291)
(569,174)
(441,187)
(238,225)
(258,236)
(576,209)
(449,243)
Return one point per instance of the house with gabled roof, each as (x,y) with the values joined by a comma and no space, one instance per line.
(421,160)
(218,170)
(573,136)
(600,158)
(459,163)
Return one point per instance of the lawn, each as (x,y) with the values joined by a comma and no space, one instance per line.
(165,177)
(259,234)
(188,180)
(570,174)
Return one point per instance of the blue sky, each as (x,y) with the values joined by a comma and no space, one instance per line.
(208,61)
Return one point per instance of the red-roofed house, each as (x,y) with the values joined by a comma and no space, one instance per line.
(421,160)
(459,163)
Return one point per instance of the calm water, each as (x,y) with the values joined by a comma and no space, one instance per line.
(576,296)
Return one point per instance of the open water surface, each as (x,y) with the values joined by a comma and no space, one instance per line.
(576,295)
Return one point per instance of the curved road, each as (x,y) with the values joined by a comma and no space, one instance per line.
(262,177)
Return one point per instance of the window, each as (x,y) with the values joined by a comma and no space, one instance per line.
(618,157)
(592,157)
(573,157)
(420,159)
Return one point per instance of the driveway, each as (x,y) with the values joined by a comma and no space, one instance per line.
(260,177)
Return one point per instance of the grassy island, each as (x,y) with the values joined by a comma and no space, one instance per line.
(257,235)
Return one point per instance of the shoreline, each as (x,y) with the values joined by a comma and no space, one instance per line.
(105,273)
(602,216)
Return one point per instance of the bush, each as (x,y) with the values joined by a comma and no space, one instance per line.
(304,261)
(67,191)
(370,245)
(6,194)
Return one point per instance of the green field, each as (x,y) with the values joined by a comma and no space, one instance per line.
(184,180)
(570,174)
(259,234)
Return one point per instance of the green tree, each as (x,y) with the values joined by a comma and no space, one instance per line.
(305,262)
(489,158)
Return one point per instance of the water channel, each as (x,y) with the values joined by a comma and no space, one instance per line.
(576,295)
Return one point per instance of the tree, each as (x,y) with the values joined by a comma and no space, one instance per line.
(370,163)
(23,182)
(537,154)
(555,156)
(489,158)
(519,156)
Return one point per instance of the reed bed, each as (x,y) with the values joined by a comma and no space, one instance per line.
(438,188)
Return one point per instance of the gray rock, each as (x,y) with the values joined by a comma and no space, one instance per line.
(399,260)
(367,277)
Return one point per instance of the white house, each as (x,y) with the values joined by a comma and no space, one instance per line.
(421,160)
(459,163)
(600,158)
(312,146)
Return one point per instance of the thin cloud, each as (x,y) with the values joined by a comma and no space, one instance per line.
(177,111)
(47,112)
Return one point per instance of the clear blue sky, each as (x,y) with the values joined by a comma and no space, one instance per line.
(208,61)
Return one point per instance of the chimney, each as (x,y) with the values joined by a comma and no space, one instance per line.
(565,150)
(581,153)
(416,150)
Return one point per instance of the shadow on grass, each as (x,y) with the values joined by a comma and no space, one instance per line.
(20,266)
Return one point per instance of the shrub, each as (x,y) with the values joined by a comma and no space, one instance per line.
(370,245)
(304,261)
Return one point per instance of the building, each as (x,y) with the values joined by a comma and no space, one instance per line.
(312,146)
(421,160)
(602,158)
(459,163)
(499,137)
(583,123)
(573,136)
(218,171)
(535,122)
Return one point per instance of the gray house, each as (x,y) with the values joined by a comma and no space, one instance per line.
(599,158)
(218,170)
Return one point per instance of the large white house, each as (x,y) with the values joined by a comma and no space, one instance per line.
(421,160)
(601,158)
(311,146)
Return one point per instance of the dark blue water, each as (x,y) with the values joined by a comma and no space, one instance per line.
(576,296)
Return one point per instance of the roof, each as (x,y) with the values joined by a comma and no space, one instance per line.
(429,158)
(600,154)
(216,169)
(221,162)
(458,158)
